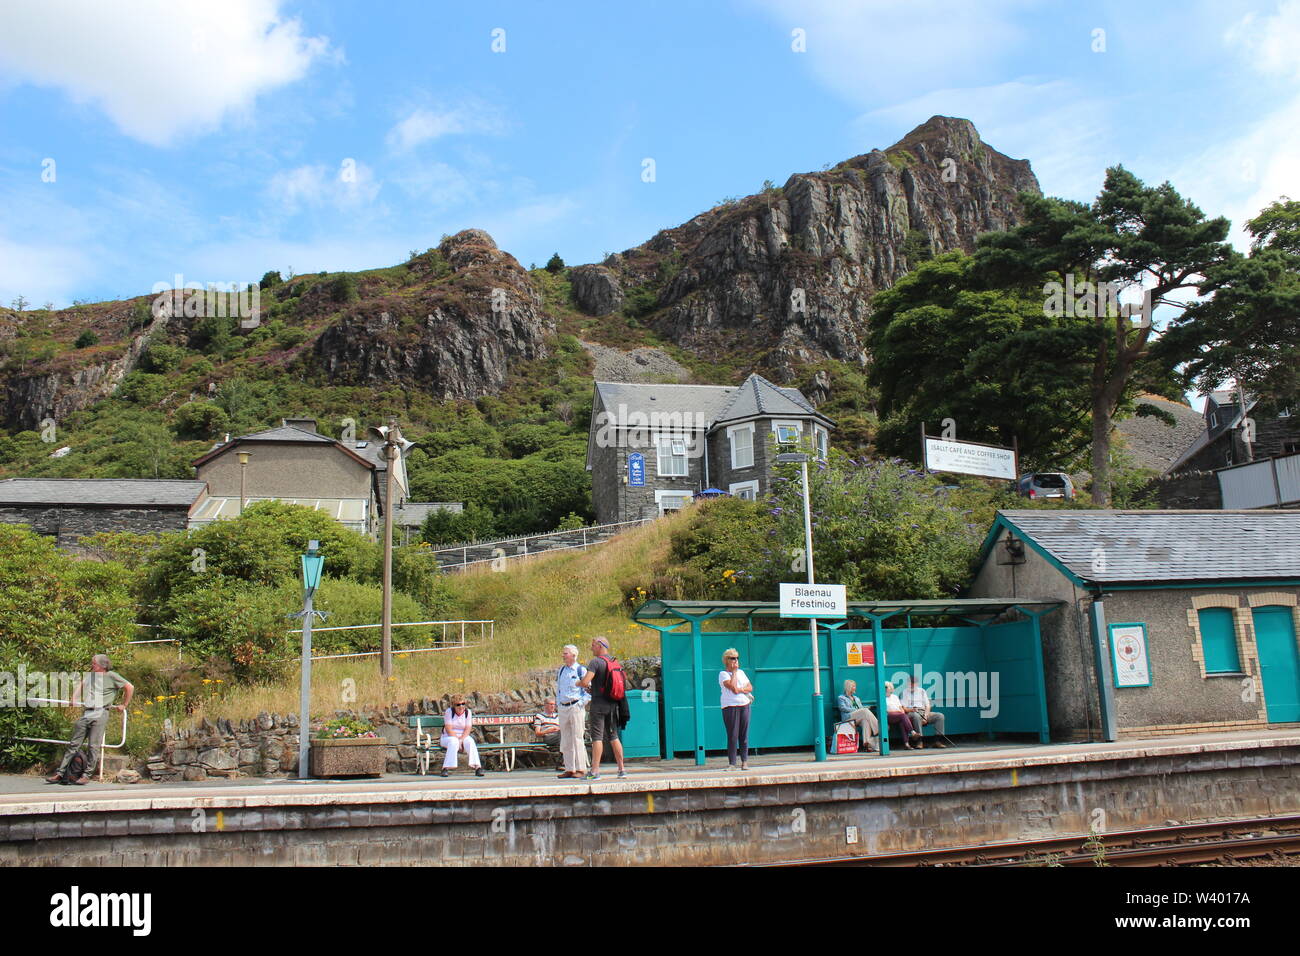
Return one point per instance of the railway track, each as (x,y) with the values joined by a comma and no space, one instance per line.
(1221,842)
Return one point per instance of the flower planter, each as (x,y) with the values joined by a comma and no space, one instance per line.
(349,757)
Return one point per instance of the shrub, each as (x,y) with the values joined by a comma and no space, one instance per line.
(86,339)
(555,264)
(343,288)
(201,419)
(161,358)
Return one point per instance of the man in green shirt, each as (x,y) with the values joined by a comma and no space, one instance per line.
(96,694)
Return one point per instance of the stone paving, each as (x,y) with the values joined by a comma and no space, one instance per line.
(30,794)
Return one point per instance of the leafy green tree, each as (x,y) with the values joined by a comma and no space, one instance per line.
(86,339)
(1132,233)
(343,288)
(947,346)
(555,264)
(1249,331)
(55,614)
(271,279)
(201,419)
(161,358)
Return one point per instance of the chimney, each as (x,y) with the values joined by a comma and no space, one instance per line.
(306,424)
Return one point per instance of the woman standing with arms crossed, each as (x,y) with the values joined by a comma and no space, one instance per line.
(737,696)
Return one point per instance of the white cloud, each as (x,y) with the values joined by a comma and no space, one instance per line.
(877,51)
(422,125)
(347,186)
(1270,43)
(159,69)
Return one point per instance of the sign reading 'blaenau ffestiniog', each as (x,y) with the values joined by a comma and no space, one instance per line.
(813,600)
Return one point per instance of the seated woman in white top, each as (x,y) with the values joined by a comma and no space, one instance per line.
(457,723)
(898,717)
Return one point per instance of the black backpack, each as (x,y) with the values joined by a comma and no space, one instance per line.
(76,767)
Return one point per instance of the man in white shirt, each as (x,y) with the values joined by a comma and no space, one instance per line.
(916,703)
(572,699)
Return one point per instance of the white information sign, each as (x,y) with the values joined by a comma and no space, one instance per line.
(1128,644)
(814,600)
(966,458)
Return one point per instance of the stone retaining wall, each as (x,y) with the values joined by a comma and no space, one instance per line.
(267,745)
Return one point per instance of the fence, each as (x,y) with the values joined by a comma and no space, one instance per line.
(1270,483)
(480,552)
(486,631)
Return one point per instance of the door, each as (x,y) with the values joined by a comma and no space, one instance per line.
(1279,663)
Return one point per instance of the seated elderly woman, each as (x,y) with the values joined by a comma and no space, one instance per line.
(457,723)
(851,709)
(899,717)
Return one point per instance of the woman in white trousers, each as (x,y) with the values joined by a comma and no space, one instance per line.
(457,723)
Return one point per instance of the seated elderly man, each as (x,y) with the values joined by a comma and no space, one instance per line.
(916,702)
(851,709)
(546,728)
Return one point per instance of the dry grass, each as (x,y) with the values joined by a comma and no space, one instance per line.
(539,605)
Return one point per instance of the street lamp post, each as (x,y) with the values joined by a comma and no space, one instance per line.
(243,469)
(312,565)
(818,715)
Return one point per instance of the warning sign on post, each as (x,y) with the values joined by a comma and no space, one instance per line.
(813,600)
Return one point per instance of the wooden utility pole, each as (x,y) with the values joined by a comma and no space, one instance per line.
(392,451)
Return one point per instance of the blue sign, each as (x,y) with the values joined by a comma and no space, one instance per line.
(636,469)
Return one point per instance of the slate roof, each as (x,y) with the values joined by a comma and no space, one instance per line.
(288,433)
(708,405)
(1153,547)
(413,513)
(122,492)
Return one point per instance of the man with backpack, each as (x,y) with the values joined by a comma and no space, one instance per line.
(96,693)
(608,685)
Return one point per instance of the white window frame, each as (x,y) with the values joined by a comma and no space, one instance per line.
(740,486)
(671,493)
(798,431)
(821,442)
(732,432)
(669,441)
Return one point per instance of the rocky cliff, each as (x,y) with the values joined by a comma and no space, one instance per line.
(787,275)
(455,337)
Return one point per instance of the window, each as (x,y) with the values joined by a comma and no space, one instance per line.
(672,457)
(742,445)
(787,433)
(671,500)
(823,438)
(1219,641)
(747,490)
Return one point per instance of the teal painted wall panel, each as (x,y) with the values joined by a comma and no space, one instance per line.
(957,667)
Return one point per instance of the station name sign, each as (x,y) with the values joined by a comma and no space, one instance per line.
(968,458)
(814,600)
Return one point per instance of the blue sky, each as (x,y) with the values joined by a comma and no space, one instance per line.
(218,140)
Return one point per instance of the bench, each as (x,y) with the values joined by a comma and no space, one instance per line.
(428,734)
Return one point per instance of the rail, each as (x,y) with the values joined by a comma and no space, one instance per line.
(588,535)
(103,744)
(487,631)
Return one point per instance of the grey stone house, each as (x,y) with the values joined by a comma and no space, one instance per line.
(652,448)
(68,508)
(1173,622)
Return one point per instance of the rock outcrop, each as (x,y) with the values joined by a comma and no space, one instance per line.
(787,275)
(454,338)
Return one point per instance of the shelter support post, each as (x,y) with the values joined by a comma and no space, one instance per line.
(1105,688)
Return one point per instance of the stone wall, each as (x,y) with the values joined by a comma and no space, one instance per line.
(267,745)
(1188,490)
(68,523)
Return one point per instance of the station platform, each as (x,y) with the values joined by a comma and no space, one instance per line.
(787,806)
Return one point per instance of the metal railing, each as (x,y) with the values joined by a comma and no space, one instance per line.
(584,537)
(487,631)
(103,745)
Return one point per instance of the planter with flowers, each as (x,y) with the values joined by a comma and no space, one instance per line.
(348,747)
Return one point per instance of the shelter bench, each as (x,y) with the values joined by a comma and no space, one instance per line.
(428,734)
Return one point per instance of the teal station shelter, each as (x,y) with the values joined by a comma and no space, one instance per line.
(982,667)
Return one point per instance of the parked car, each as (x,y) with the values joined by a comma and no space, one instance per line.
(1046,484)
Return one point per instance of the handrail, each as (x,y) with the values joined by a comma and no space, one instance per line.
(103,744)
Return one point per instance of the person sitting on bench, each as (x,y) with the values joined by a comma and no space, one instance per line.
(546,728)
(457,723)
(917,704)
(851,709)
(898,717)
